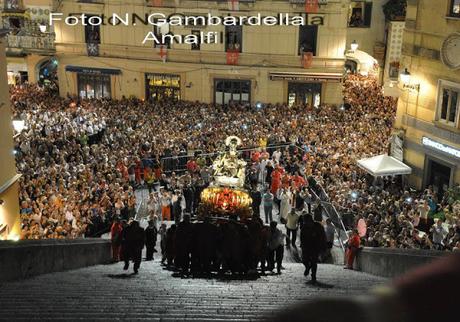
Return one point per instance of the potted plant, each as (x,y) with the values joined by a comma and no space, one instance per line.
(395,10)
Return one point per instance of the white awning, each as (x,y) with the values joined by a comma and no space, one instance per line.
(384,165)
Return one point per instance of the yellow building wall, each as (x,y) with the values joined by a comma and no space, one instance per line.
(367,37)
(9,211)
(431,28)
(265,49)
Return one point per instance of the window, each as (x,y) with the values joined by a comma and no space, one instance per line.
(196,46)
(454,9)
(448,102)
(304,94)
(12,5)
(360,14)
(232,91)
(307,39)
(234,38)
(93,85)
(92,33)
(159,30)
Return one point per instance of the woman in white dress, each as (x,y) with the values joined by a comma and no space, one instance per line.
(285,196)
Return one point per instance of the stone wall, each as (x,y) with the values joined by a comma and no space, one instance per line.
(387,262)
(28,258)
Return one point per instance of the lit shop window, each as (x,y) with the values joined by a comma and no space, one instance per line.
(227,91)
(161,87)
(93,86)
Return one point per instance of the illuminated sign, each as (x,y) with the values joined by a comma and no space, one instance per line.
(441,147)
(310,77)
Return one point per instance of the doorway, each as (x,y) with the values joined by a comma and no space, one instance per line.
(438,176)
(304,93)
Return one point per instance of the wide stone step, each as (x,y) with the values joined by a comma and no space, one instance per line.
(104,293)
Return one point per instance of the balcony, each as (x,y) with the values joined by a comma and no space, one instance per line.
(21,45)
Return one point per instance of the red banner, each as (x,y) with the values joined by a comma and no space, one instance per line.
(233,5)
(163,53)
(311,6)
(157,3)
(307,59)
(232,57)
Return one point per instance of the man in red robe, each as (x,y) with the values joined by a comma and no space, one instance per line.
(276,180)
(353,244)
(115,237)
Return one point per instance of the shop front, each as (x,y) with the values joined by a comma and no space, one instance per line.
(441,163)
(93,82)
(228,91)
(306,88)
(304,93)
(159,87)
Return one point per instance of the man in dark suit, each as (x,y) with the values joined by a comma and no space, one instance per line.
(133,238)
(313,242)
(150,239)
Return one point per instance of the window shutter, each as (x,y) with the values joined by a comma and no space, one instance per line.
(368,14)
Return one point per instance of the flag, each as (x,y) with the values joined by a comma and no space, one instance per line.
(157,3)
(311,6)
(163,53)
(233,5)
(92,49)
(232,57)
(307,59)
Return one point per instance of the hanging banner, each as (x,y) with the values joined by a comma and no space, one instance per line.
(233,5)
(307,59)
(157,3)
(92,49)
(232,57)
(163,53)
(311,6)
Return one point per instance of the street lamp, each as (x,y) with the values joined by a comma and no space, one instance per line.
(405,76)
(406,81)
(354,46)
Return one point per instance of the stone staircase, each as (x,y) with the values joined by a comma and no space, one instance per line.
(106,292)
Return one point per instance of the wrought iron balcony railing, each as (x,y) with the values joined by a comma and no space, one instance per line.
(30,43)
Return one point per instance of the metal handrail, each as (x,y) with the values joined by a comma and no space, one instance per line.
(188,156)
(140,207)
(326,200)
(215,153)
(326,196)
(329,216)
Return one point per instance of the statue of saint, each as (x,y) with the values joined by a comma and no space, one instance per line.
(229,170)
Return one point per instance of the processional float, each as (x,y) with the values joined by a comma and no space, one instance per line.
(226,195)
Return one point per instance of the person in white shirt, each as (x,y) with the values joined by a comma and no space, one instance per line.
(438,232)
(292,222)
(277,156)
(285,196)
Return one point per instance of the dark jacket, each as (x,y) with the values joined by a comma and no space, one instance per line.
(313,238)
(150,236)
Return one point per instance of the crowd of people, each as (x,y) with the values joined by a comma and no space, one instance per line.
(82,160)
(214,245)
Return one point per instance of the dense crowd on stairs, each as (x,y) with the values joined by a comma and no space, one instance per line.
(82,161)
